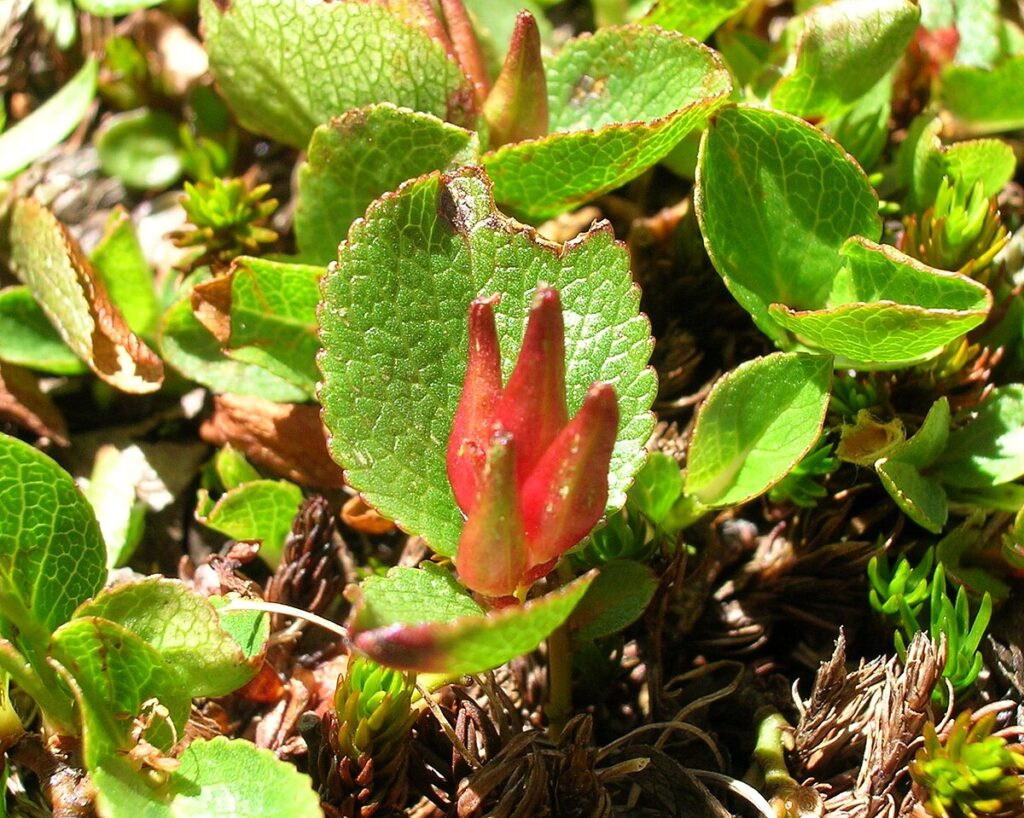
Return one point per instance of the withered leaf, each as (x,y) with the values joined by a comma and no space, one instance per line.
(211,304)
(47,258)
(362,517)
(285,438)
(25,405)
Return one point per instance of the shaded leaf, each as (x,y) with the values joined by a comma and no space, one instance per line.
(921,498)
(756,425)
(112,495)
(844,48)
(27,337)
(264,313)
(988,449)
(612,117)
(985,101)
(285,67)
(213,774)
(48,125)
(182,627)
(115,674)
(284,438)
(360,155)
(52,555)
(141,148)
(393,327)
(615,600)
(24,404)
(802,199)
(261,510)
(46,258)
(467,644)
(114,8)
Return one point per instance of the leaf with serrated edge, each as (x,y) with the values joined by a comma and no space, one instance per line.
(285,67)
(182,627)
(921,498)
(756,425)
(887,309)
(115,674)
(260,510)
(394,330)
(361,155)
(265,315)
(470,643)
(52,554)
(27,337)
(802,198)
(195,353)
(223,778)
(47,258)
(845,47)
(612,117)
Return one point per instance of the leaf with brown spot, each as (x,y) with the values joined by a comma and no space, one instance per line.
(47,258)
(211,304)
(284,438)
(23,404)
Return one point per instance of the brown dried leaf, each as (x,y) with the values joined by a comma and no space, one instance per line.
(362,517)
(211,303)
(24,405)
(47,258)
(284,438)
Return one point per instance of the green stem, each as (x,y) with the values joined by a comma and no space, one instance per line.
(58,711)
(559,704)
(770,750)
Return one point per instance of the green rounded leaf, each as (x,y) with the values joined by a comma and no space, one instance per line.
(141,148)
(226,778)
(27,337)
(357,157)
(183,628)
(612,117)
(777,199)
(393,325)
(285,67)
(615,600)
(921,498)
(985,101)
(465,644)
(116,678)
(756,425)
(52,555)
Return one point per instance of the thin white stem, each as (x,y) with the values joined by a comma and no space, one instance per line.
(740,788)
(288,610)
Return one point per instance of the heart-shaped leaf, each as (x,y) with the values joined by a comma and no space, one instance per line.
(182,627)
(264,313)
(361,155)
(117,677)
(886,309)
(213,774)
(46,258)
(756,425)
(286,67)
(612,117)
(394,331)
(776,200)
(415,637)
(845,47)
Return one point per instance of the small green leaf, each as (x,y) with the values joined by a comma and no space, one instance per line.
(886,309)
(930,440)
(114,8)
(658,485)
(116,678)
(361,155)
(412,596)
(286,67)
(249,629)
(845,47)
(756,425)
(111,491)
(189,347)
(216,778)
(119,260)
(141,148)
(233,469)
(802,198)
(921,498)
(694,18)
(27,337)
(52,555)
(268,317)
(615,600)
(50,123)
(985,101)
(394,332)
(262,510)
(612,117)
(47,258)
(467,644)
(988,449)
(183,628)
